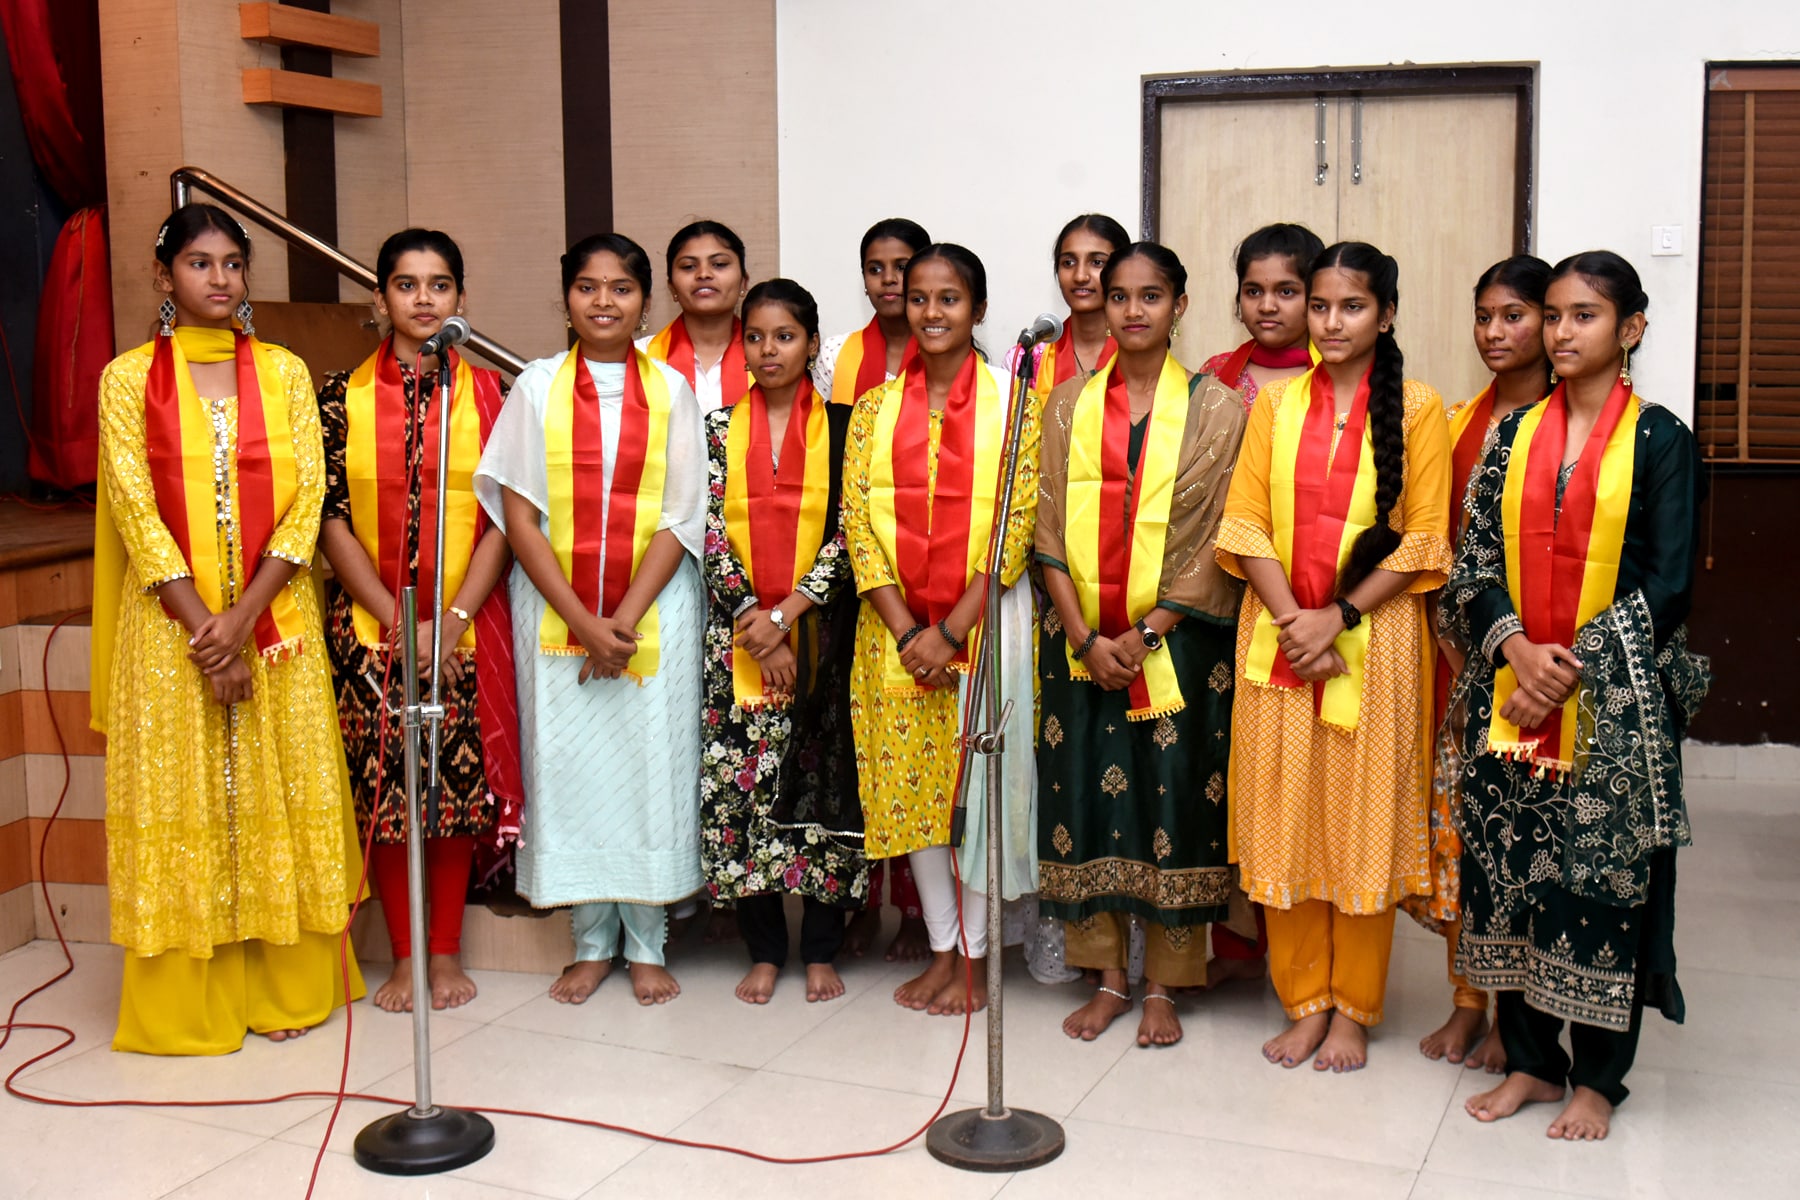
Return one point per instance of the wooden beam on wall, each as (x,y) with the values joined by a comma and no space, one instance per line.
(292,89)
(285,25)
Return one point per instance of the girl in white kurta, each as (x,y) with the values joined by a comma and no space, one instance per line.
(608,674)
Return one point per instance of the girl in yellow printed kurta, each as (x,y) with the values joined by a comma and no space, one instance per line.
(1337,516)
(920,489)
(225,801)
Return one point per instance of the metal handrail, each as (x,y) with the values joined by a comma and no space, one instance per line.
(184,181)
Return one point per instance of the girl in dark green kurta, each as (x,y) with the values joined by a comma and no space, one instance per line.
(1136,655)
(1568,872)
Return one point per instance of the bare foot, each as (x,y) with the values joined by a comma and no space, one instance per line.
(822,983)
(1454,1038)
(918,992)
(451,986)
(1346,1046)
(862,931)
(1091,1019)
(912,943)
(957,997)
(1587,1118)
(288,1035)
(1234,970)
(652,984)
(1297,1044)
(1490,1056)
(721,926)
(758,985)
(579,981)
(396,994)
(1519,1090)
(1160,1026)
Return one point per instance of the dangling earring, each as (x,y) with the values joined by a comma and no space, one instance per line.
(812,363)
(1175,330)
(166,310)
(243,316)
(1553,379)
(643,325)
(1625,367)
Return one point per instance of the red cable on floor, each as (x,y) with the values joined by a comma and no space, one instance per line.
(341,1093)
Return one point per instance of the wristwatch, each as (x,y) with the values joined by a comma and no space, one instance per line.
(1352,614)
(1152,639)
(781,622)
(458,613)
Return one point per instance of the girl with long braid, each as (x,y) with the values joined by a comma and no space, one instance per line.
(1338,518)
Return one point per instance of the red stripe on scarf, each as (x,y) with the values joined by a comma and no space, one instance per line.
(1117,481)
(774,493)
(256,483)
(734,373)
(932,534)
(1465,455)
(628,475)
(589,490)
(871,372)
(1553,550)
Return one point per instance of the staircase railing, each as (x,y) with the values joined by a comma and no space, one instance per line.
(185,181)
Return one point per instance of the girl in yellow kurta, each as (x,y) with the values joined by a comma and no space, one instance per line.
(1338,518)
(225,814)
(913,640)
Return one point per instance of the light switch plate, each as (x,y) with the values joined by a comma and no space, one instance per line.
(1665,239)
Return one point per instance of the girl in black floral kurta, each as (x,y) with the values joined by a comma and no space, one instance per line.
(779,807)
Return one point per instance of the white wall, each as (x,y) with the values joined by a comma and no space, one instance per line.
(890,108)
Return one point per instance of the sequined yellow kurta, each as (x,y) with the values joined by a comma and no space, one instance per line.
(906,745)
(1319,813)
(222,824)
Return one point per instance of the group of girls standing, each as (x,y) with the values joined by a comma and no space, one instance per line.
(712,595)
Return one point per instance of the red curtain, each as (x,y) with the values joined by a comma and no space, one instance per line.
(54,48)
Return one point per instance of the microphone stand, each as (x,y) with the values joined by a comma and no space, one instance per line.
(995,1138)
(426,1138)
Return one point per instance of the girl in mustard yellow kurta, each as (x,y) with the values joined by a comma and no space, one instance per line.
(1337,517)
(920,491)
(225,801)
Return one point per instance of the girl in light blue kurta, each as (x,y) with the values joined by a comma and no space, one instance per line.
(609,731)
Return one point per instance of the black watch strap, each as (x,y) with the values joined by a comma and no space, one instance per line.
(1352,614)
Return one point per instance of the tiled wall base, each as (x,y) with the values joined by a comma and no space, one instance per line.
(18,924)
(1749,764)
(538,945)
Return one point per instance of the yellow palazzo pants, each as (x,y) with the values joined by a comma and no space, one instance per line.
(173,1003)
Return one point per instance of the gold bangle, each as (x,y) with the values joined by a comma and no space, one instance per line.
(458,613)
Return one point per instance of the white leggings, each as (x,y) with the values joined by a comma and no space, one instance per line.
(937,897)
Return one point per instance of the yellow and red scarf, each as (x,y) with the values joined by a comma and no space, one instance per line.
(775,515)
(1057,362)
(935,533)
(1115,543)
(590,530)
(178,440)
(674,346)
(861,362)
(1320,502)
(1468,433)
(1562,570)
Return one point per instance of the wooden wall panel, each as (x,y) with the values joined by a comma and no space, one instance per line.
(371,153)
(694,133)
(484,157)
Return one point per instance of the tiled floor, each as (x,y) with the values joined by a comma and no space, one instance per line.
(1714,1108)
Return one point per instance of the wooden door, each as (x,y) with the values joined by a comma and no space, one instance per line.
(1436,191)
(1431,180)
(1228,168)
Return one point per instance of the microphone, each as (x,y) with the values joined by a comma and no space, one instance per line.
(1046,328)
(454,333)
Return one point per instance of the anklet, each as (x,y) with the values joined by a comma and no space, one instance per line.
(1158,996)
(1125,996)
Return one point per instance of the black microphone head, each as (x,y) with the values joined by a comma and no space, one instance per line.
(454,332)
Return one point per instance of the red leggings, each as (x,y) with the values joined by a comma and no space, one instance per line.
(902,893)
(1227,944)
(446,885)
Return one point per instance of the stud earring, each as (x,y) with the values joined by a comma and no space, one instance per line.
(1625,367)
(166,310)
(243,315)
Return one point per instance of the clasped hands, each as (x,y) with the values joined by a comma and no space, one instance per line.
(927,658)
(609,643)
(216,648)
(767,643)
(1548,675)
(1306,638)
(1114,663)
(454,628)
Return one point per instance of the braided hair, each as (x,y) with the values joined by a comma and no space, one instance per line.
(1387,407)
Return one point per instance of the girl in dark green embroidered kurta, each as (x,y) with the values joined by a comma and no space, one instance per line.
(1568,879)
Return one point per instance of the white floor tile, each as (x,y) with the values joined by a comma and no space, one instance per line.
(1434,1185)
(279,1169)
(104,1154)
(784,1116)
